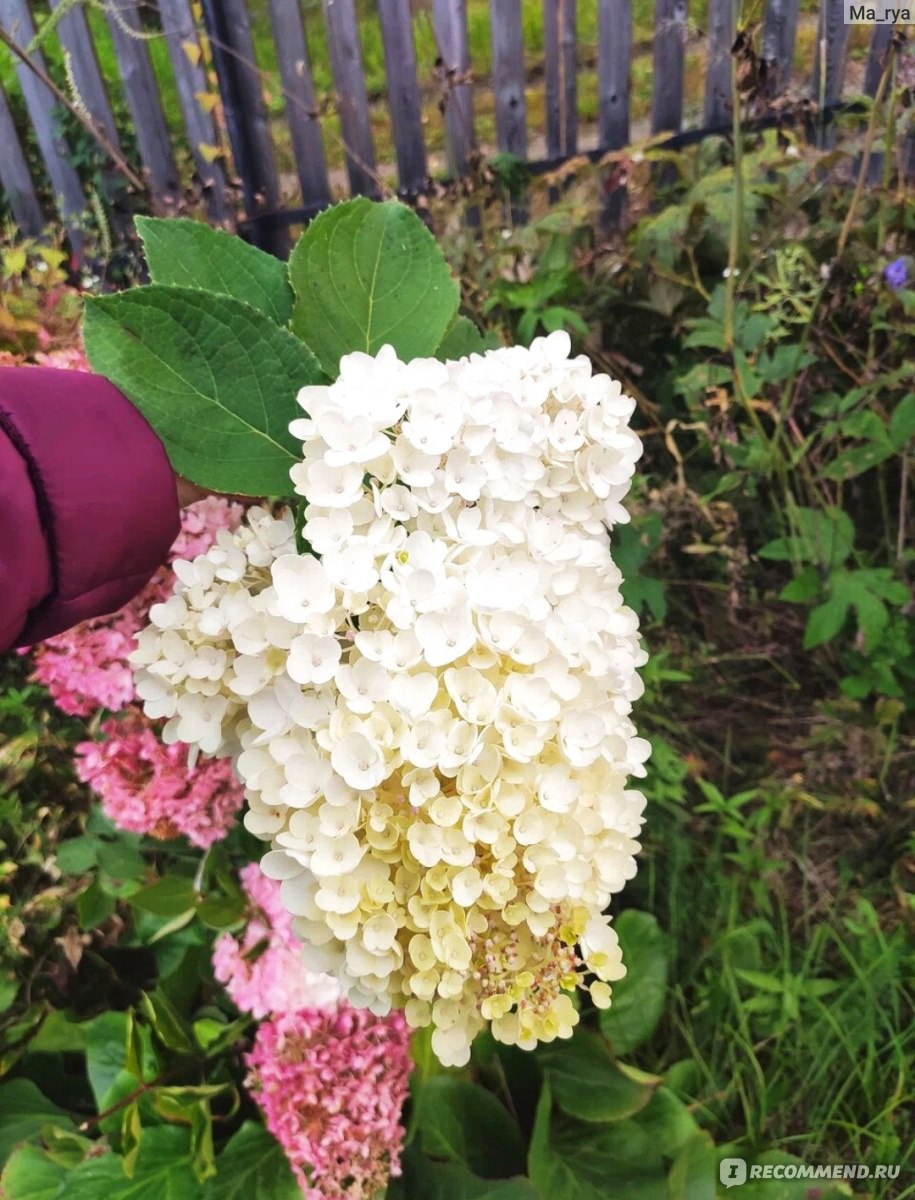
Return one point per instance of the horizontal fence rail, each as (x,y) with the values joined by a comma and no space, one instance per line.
(227,112)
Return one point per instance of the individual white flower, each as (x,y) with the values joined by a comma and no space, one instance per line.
(350,438)
(364,685)
(359,762)
(415,467)
(445,635)
(331,487)
(398,502)
(557,790)
(302,587)
(353,568)
(198,721)
(336,855)
(313,659)
(327,529)
(426,843)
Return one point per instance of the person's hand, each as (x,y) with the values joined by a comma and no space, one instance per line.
(189,492)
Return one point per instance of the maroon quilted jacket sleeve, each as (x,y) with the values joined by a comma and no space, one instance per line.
(88,507)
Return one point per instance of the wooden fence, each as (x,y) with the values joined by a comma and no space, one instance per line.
(221,91)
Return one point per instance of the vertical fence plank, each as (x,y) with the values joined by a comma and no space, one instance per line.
(877,59)
(76,40)
(301,103)
(669,59)
(508,76)
(142,91)
(404,100)
(881,37)
(559,31)
(718,109)
(614,52)
(352,100)
(41,102)
(229,31)
(830,53)
(191,81)
(778,39)
(15,178)
(450,21)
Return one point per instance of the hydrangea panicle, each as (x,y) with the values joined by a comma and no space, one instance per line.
(431,713)
(331,1086)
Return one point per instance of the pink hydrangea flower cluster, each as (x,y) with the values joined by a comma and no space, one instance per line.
(85,668)
(330,1079)
(331,1086)
(148,787)
(263,972)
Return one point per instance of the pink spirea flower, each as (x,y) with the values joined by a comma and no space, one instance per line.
(331,1086)
(85,668)
(263,970)
(147,787)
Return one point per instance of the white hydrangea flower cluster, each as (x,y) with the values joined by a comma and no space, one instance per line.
(430,714)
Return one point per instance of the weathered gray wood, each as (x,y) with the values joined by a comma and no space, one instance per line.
(76,40)
(778,39)
(301,102)
(142,91)
(669,58)
(559,36)
(718,106)
(907,163)
(15,178)
(614,52)
(881,37)
(831,53)
(508,76)
(404,100)
(450,21)
(190,80)
(877,60)
(41,102)
(232,47)
(352,99)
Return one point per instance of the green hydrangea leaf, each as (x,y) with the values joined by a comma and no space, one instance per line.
(463,1123)
(162,1171)
(252,1167)
(424,1179)
(588,1083)
(31,1175)
(190,254)
(366,275)
(574,1160)
(24,1111)
(215,378)
(693,1175)
(464,338)
(638,998)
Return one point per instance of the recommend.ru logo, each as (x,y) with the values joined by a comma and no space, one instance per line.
(734,1171)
